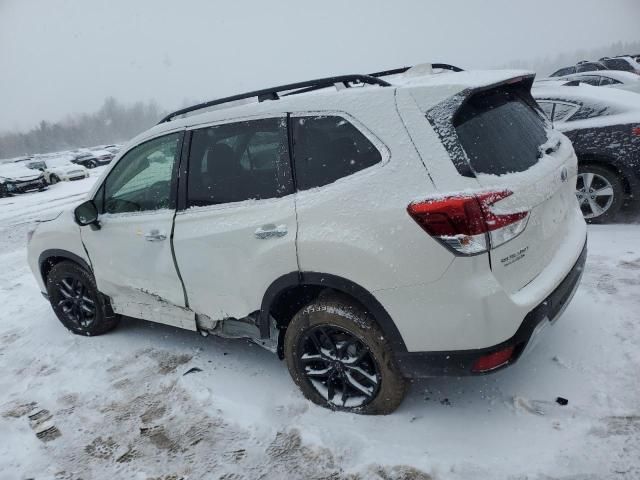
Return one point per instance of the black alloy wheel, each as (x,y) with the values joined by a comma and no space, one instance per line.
(76,301)
(339,366)
(340,358)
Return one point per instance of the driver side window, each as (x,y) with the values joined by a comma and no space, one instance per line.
(142,179)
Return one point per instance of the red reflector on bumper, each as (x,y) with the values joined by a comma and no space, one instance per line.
(493,360)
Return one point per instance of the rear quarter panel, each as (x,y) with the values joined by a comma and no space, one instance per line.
(358,227)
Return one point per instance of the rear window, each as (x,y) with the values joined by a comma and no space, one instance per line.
(563,71)
(500,132)
(589,67)
(618,64)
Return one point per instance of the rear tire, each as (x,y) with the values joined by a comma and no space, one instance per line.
(331,347)
(600,193)
(76,301)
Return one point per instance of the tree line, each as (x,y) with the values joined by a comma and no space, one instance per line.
(114,122)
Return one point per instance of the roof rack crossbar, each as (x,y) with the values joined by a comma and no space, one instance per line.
(272,93)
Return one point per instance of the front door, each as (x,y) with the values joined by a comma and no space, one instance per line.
(131,253)
(237,233)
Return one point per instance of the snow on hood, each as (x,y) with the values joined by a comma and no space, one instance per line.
(17,171)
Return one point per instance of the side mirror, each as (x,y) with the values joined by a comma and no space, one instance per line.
(86,214)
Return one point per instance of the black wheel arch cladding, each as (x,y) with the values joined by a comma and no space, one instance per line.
(317,281)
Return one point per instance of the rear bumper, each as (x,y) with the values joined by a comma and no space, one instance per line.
(460,362)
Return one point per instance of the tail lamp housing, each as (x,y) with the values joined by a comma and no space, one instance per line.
(466,224)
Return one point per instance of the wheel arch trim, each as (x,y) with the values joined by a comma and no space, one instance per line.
(58,253)
(612,163)
(343,285)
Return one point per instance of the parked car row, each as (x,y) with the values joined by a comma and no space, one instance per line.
(625,63)
(36,172)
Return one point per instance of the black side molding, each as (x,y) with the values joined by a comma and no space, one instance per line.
(340,284)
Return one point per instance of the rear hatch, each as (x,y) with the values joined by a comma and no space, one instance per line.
(518,200)
(511,148)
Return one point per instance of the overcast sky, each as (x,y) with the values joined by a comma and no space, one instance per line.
(59,57)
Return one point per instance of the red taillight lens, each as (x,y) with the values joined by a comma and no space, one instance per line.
(494,360)
(466,222)
(635,131)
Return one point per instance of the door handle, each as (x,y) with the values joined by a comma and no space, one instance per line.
(270,231)
(154,236)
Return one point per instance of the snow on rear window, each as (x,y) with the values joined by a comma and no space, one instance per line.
(500,132)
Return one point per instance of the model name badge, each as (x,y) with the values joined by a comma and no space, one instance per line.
(514,257)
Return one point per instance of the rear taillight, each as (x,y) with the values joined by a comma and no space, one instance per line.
(635,131)
(489,362)
(465,223)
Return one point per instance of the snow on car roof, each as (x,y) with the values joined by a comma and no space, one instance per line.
(621,76)
(335,99)
(465,79)
(17,169)
(622,100)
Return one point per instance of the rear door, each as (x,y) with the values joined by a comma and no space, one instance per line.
(236,233)
(510,147)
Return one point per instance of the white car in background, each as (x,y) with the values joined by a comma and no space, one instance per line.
(602,78)
(17,178)
(58,168)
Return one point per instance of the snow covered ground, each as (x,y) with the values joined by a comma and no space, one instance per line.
(123,405)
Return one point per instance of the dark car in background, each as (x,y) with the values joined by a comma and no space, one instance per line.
(604,126)
(93,158)
(583,66)
(624,63)
(17,178)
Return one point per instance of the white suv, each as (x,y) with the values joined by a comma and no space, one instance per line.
(366,228)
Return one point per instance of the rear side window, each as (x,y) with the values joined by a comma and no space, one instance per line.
(500,132)
(592,110)
(327,148)
(608,81)
(547,108)
(563,111)
(618,64)
(590,80)
(239,161)
(563,71)
(589,67)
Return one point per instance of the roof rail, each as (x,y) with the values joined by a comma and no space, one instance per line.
(396,71)
(272,93)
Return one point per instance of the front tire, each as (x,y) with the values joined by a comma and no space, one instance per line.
(76,301)
(340,359)
(600,193)
(53,179)
(92,164)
